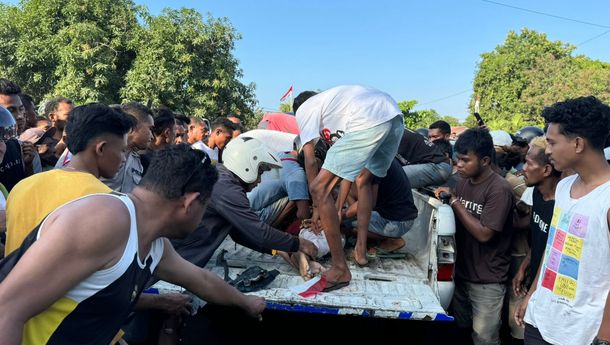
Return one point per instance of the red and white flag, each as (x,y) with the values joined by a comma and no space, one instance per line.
(287,94)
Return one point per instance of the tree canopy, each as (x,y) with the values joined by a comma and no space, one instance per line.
(528,72)
(422,118)
(113,51)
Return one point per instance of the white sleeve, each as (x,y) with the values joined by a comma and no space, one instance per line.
(527,196)
(309,118)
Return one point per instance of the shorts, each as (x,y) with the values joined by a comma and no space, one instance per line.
(387,228)
(372,148)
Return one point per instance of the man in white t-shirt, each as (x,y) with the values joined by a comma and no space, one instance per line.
(364,126)
(568,302)
(220,134)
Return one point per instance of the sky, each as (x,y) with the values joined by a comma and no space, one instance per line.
(426,50)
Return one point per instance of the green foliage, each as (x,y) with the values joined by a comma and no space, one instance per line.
(452,121)
(252,121)
(286,107)
(113,51)
(528,72)
(422,118)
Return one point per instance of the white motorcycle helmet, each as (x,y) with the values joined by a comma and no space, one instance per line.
(244,155)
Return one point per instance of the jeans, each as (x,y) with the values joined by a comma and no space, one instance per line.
(270,213)
(427,174)
(479,306)
(533,336)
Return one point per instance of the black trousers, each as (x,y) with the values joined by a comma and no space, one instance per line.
(533,337)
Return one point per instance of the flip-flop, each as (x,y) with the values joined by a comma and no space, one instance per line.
(332,286)
(384,254)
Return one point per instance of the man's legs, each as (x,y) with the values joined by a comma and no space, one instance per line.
(486,302)
(533,337)
(363,214)
(321,187)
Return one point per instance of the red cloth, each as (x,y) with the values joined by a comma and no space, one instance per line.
(280,122)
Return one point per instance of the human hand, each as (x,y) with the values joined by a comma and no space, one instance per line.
(60,147)
(308,248)
(518,287)
(254,306)
(520,311)
(28,152)
(440,190)
(175,304)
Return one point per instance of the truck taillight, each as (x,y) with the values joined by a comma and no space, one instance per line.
(445,273)
(446,258)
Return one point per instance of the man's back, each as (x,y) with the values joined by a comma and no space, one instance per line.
(344,109)
(229,213)
(92,310)
(416,149)
(37,196)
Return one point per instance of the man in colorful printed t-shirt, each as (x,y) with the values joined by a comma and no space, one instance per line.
(567,303)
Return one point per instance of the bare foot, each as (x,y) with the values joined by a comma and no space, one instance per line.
(360,258)
(334,275)
(392,244)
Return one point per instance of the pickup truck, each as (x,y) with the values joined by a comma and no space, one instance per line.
(418,287)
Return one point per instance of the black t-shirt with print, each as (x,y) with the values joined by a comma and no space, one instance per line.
(394,197)
(11,169)
(416,149)
(540,222)
(491,202)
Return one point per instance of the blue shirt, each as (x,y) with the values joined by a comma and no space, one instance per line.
(289,181)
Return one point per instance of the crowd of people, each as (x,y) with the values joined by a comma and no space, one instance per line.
(149,194)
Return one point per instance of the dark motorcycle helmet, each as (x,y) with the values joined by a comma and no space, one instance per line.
(8,126)
(528,133)
(422,131)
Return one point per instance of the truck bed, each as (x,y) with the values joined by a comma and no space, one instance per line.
(386,288)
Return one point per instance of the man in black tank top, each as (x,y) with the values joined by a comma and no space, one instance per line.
(541,175)
(92,257)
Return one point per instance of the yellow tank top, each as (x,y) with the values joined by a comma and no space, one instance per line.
(32,199)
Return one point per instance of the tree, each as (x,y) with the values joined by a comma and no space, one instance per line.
(452,121)
(502,77)
(417,118)
(187,65)
(286,107)
(113,51)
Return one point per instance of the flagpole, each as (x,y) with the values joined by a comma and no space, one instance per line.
(292,99)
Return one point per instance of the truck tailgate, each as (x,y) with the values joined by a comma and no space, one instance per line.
(387,288)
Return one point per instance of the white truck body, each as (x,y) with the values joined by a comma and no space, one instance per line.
(388,288)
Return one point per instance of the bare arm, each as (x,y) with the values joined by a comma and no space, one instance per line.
(353,207)
(604,328)
(520,312)
(311,165)
(518,287)
(472,225)
(303,211)
(203,283)
(71,248)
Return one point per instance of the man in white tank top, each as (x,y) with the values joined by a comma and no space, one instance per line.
(76,277)
(568,302)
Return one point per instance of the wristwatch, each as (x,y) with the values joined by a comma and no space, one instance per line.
(598,341)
